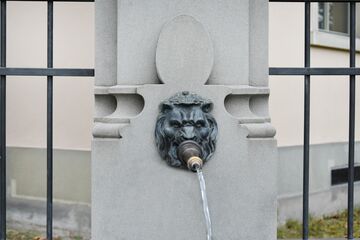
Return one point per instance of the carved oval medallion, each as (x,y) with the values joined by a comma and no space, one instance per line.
(184,53)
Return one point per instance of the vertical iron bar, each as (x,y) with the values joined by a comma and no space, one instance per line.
(306,154)
(49,215)
(350,220)
(3,124)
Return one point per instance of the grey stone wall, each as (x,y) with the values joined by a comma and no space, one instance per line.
(135,195)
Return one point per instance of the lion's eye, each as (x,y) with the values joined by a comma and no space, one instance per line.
(175,124)
(200,124)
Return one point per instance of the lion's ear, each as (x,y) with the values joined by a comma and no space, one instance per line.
(165,107)
(207,107)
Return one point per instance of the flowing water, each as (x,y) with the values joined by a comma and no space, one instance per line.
(205,204)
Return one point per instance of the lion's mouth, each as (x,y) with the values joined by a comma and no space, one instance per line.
(174,159)
(176,144)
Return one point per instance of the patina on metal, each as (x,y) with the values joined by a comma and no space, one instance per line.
(186,131)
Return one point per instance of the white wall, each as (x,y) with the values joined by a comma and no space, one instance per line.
(329,95)
(73,97)
(26,96)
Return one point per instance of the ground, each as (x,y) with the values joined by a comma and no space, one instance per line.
(333,226)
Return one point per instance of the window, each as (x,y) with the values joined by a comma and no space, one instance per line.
(331,25)
(333,17)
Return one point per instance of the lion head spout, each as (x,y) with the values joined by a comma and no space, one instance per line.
(185,116)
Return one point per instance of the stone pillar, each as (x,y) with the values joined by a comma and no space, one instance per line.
(135,194)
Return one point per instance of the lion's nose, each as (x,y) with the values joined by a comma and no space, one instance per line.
(188,133)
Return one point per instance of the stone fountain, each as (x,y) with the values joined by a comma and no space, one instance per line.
(202,64)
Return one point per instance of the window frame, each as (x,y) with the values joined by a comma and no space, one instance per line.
(325,38)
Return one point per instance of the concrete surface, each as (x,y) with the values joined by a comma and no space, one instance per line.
(30,214)
(323,158)
(26,170)
(140,23)
(106,42)
(321,203)
(135,195)
(324,198)
(192,53)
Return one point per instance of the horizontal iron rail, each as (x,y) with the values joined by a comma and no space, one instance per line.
(314,71)
(73,72)
(287,1)
(53,0)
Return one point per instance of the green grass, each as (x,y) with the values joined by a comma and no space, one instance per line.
(15,235)
(333,226)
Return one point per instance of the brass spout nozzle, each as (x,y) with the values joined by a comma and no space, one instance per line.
(194,163)
(190,153)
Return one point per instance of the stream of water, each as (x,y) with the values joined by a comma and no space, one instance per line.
(205,204)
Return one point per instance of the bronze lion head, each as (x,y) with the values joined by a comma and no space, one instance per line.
(185,116)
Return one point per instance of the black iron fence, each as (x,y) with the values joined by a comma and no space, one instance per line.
(307,71)
(50,72)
